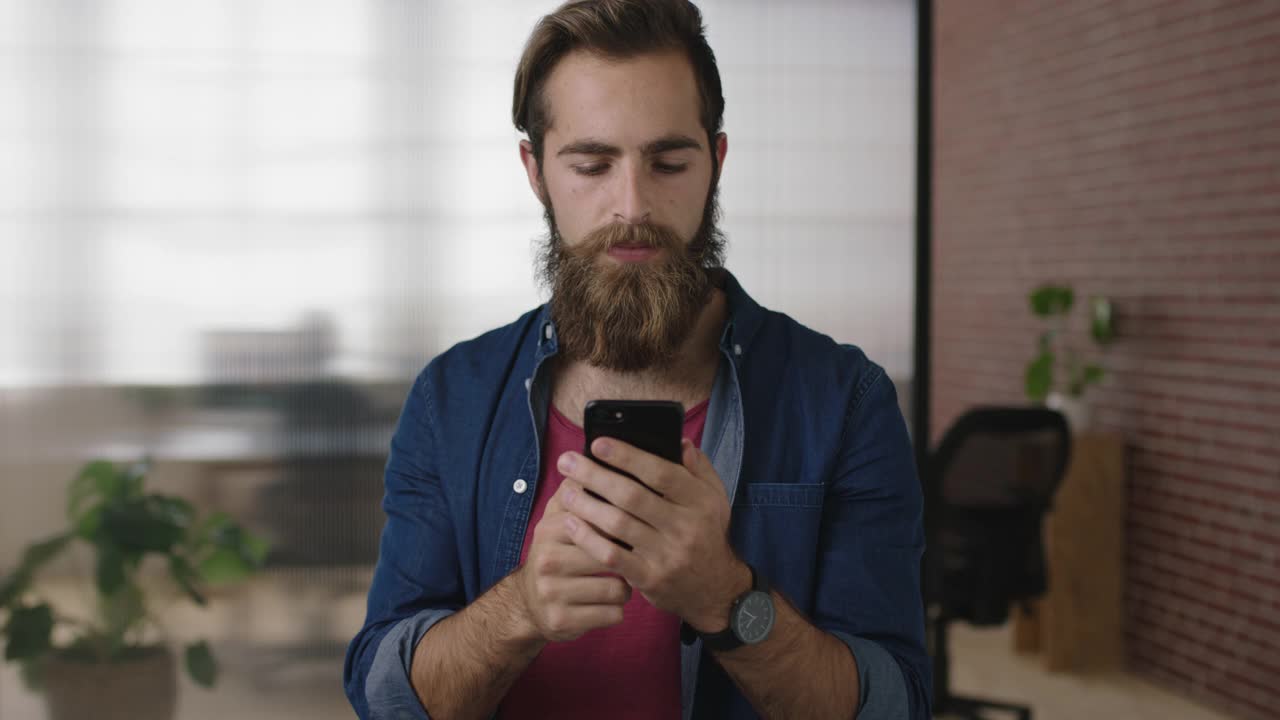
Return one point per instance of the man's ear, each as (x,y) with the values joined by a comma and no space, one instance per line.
(721,150)
(531,169)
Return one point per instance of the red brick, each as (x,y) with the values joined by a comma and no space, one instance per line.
(1133,150)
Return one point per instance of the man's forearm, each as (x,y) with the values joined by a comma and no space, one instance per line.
(465,664)
(800,671)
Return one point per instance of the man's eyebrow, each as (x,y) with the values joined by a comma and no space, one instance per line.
(590,146)
(669,143)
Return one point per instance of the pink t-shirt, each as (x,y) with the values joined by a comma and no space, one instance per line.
(631,670)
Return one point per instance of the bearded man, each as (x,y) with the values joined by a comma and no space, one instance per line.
(776,570)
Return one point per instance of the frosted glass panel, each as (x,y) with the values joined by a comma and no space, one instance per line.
(232,231)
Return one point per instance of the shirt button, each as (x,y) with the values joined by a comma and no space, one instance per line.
(520,485)
(547,331)
(528,383)
(737,349)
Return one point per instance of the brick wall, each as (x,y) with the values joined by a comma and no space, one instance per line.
(1133,150)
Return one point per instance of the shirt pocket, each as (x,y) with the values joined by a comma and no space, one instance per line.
(775,527)
(796,495)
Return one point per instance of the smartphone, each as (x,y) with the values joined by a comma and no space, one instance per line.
(654,426)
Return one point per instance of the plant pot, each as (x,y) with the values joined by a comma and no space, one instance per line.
(1075,409)
(141,686)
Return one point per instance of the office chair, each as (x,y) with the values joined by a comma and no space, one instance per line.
(987,488)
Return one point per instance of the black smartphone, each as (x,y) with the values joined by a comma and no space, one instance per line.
(655,426)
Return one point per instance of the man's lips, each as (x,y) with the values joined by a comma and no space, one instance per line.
(633,253)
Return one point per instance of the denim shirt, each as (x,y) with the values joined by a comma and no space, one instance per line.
(806,435)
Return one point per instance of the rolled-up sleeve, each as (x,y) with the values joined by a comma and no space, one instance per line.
(881,685)
(388,689)
(416,582)
(868,583)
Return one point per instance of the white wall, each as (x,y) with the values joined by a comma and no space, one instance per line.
(173,168)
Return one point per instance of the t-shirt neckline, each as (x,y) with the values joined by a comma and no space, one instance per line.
(572,427)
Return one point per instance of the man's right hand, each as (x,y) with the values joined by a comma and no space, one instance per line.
(564,596)
(465,662)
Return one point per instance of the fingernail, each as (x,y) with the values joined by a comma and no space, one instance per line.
(604,448)
(570,523)
(570,495)
(566,462)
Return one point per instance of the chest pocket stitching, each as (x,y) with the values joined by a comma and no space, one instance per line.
(797,495)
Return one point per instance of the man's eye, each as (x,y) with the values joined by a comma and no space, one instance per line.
(669,169)
(595,169)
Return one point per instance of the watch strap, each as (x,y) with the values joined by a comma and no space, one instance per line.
(726,639)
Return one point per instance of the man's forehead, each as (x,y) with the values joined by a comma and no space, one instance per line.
(627,103)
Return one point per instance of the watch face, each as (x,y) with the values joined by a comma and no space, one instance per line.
(754,618)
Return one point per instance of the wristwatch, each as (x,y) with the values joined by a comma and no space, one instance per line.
(750,620)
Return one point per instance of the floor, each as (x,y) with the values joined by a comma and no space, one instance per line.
(984,666)
(292,679)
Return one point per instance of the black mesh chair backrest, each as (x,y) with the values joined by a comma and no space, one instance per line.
(988,486)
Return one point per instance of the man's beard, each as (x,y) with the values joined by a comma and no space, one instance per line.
(629,317)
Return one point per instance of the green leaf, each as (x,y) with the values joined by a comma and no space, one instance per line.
(1039,377)
(13,585)
(210,531)
(1092,374)
(29,630)
(225,565)
(1049,300)
(1101,326)
(254,549)
(142,525)
(111,485)
(174,509)
(110,569)
(87,483)
(1042,300)
(35,556)
(89,523)
(201,664)
(44,551)
(224,551)
(186,577)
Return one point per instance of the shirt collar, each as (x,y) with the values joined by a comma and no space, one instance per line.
(745,316)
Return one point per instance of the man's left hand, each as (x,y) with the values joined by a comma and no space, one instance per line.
(681,559)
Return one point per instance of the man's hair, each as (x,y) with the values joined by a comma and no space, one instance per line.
(615,29)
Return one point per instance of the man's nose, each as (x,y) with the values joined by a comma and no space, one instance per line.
(633,204)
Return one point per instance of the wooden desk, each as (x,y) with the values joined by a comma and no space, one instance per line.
(1079,623)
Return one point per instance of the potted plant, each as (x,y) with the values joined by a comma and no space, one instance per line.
(112,662)
(1058,376)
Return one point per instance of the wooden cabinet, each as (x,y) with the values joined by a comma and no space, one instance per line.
(1079,624)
